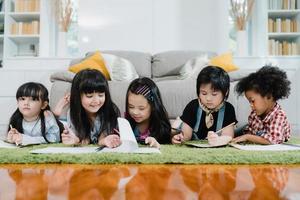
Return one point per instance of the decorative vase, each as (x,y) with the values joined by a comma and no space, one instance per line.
(241,43)
(62,45)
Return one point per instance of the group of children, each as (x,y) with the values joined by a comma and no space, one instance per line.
(92,115)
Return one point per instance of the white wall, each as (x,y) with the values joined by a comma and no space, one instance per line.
(153,25)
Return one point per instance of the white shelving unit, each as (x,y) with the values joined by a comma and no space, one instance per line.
(283,27)
(28,29)
(22,28)
(2,17)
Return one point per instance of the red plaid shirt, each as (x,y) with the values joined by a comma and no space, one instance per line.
(274,127)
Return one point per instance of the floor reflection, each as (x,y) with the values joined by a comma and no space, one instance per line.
(149,182)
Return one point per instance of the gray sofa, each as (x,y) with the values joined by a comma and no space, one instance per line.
(163,68)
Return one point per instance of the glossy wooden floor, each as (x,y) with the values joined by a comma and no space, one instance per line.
(149,182)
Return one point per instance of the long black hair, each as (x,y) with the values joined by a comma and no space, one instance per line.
(159,125)
(38,92)
(217,77)
(85,82)
(267,81)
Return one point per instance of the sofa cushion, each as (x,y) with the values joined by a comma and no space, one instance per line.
(224,61)
(192,67)
(120,69)
(170,63)
(141,61)
(95,61)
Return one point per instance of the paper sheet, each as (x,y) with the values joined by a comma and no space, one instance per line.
(73,150)
(274,147)
(129,144)
(204,145)
(7,145)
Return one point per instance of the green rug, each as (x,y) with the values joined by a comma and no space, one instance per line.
(170,154)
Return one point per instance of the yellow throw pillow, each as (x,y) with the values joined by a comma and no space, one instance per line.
(95,61)
(224,61)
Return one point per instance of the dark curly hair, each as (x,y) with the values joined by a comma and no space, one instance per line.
(267,81)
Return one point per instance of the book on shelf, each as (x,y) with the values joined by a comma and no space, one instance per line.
(282,4)
(282,25)
(25,28)
(27,6)
(283,48)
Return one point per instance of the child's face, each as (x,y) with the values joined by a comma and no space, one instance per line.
(259,104)
(30,108)
(138,107)
(209,97)
(92,102)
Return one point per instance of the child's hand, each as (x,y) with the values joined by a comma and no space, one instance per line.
(212,137)
(9,137)
(242,138)
(61,104)
(152,142)
(13,136)
(177,139)
(215,140)
(69,137)
(10,134)
(85,142)
(112,141)
(17,138)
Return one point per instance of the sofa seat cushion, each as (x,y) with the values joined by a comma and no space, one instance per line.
(118,91)
(176,94)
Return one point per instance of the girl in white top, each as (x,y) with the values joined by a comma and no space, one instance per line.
(92,118)
(33,122)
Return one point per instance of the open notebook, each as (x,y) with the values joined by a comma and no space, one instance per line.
(4,144)
(223,141)
(129,144)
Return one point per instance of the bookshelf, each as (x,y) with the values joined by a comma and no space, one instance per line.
(283,33)
(22,24)
(26,29)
